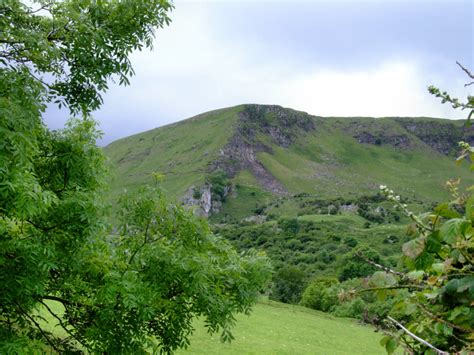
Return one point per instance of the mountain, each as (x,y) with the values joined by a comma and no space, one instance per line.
(233,160)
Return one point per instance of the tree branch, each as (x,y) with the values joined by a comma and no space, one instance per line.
(417,338)
(392,288)
(387,269)
(61,323)
(467,72)
(50,342)
(439,319)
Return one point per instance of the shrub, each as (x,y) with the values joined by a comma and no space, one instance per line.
(319,295)
(288,283)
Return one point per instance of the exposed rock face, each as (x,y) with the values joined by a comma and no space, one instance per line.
(203,200)
(239,155)
(400,140)
(349,208)
(283,126)
(441,136)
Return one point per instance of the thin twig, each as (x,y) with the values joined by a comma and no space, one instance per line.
(392,288)
(50,342)
(439,319)
(417,338)
(387,269)
(61,323)
(468,73)
(465,70)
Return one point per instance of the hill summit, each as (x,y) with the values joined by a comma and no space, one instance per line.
(232,160)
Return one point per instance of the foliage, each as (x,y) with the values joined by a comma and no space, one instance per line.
(168,268)
(322,246)
(317,294)
(355,267)
(122,291)
(439,275)
(288,283)
(79,44)
(289,225)
(220,185)
(48,225)
(438,269)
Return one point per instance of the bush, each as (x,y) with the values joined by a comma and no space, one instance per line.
(319,295)
(288,283)
(290,225)
(352,309)
(355,266)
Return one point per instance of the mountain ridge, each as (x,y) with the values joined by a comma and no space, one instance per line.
(266,151)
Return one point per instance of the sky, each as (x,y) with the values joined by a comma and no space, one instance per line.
(328,58)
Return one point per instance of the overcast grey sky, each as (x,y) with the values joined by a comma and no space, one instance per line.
(328,58)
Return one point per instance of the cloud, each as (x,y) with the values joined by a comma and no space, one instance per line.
(390,89)
(195,68)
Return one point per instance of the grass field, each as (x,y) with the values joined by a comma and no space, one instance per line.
(345,217)
(276,328)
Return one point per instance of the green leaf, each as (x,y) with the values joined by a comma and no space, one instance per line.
(470,208)
(416,275)
(424,261)
(414,247)
(382,279)
(466,283)
(468,120)
(391,345)
(443,210)
(433,242)
(384,340)
(451,286)
(452,229)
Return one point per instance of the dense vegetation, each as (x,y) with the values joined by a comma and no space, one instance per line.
(328,162)
(123,289)
(289,184)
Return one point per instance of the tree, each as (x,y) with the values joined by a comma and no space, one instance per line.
(353,266)
(288,284)
(318,295)
(438,269)
(123,290)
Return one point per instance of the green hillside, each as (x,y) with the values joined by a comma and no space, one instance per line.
(182,151)
(272,328)
(276,328)
(269,152)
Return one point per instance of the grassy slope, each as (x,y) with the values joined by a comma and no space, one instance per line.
(276,328)
(327,162)
(331,163)
(273,328)
(181,151)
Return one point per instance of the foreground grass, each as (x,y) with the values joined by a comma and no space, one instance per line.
(276,328)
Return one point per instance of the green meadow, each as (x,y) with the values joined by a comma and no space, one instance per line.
(277,328)
(274,328)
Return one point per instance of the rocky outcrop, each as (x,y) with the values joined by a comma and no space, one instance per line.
(202,200)
(442,136)
(282,126)
(239,155)
(396,140)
